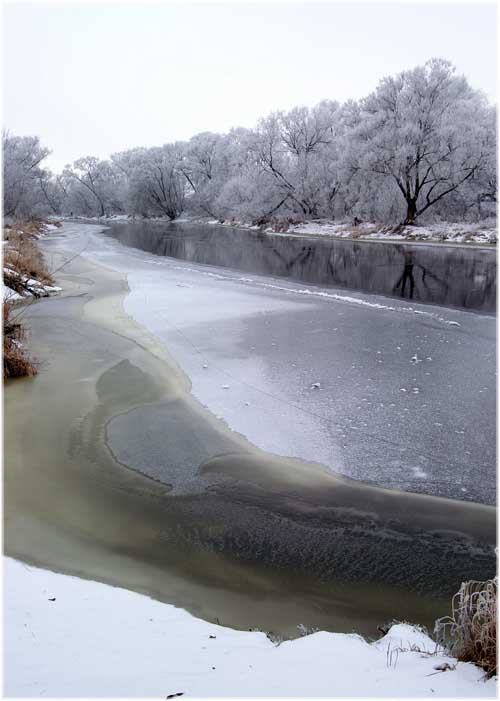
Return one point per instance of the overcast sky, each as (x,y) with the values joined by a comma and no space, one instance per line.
(98,78)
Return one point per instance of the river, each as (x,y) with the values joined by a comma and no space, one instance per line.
(459,276)
(115,471)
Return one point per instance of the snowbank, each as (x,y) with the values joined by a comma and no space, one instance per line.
(443,232)
(26,286)
(483,232)
(67,637)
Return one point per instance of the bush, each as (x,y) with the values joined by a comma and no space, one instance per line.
(15,361)
(470,633)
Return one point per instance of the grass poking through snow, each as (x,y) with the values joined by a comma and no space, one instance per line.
(470,633)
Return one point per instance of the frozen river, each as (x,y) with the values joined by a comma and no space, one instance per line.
(406,395)
(265,511)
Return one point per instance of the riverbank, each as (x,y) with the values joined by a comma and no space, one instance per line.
(480,235)
(129,645)
(444,232)
(25,277)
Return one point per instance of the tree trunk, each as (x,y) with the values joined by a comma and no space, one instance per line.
(411,212)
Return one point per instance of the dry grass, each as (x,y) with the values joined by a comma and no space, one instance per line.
(22,261)
(22,255)
(281,224)
(16,363)
(470,633)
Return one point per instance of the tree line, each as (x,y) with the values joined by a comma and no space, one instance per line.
(422,146)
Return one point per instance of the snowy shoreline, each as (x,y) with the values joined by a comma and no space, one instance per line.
(445,234)
(25,287)
(68,637)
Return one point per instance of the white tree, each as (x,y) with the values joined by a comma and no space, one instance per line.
(22,174)
(298,152)
(484,184)
(425,130)
(156,181)
(206,168)
(93,186)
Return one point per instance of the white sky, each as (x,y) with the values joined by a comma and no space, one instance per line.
(95,78)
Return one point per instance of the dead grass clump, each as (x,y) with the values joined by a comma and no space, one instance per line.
(23,256)
(15,361)
(32,228)
(281,224)
(470,633)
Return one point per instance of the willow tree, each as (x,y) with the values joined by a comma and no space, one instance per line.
(427,130)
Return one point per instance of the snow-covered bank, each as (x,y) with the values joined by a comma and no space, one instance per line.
(19,248)
(66,637)
(26,287)
(444,232)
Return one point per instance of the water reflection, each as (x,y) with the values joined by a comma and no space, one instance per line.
(450,276)
(407,276)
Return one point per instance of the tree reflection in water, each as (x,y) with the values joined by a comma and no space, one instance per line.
(447,275)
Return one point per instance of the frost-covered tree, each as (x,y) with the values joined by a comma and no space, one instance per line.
(92,187)
(426,130)
(484,184)
(53,191)
(283,146)
(157,183)
(207,167)
(22,175)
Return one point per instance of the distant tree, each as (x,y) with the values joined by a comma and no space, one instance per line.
(425,129)
(22,174)
(206,167)
(299,151)
(158,177)
(53,191)
(484,186)
(93,183)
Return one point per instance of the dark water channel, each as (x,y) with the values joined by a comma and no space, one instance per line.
(453,276)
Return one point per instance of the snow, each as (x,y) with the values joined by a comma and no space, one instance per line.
(67,637)
(31,287)
(10,295)
(484,232)
(463,233)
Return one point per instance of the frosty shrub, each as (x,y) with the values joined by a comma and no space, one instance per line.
(470,633)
